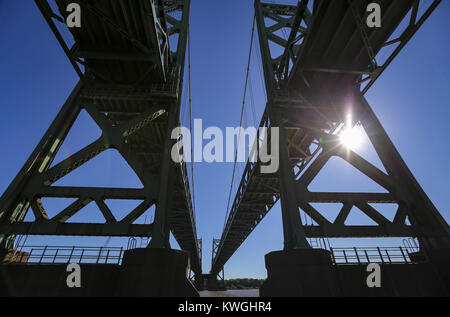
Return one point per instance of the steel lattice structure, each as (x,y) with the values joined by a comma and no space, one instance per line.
(131,87)
(328,62)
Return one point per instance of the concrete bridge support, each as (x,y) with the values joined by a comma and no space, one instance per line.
(299,272)
(311,273)
(143,273)
(210,282)
(155,272)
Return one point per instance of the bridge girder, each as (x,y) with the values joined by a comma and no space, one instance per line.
(130,85)
(329,60)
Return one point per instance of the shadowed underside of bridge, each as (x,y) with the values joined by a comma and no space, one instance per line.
(315,76)
(130,57)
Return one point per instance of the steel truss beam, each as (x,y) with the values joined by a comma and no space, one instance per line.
(36,178)
(310,81)
(118,21)
(136,118)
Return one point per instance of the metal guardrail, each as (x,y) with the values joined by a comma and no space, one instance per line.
(113,255)
(75,254)
(390,255)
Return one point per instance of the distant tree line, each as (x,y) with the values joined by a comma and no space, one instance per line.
(243,283)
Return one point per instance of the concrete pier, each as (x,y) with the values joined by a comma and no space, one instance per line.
(155,272)
(143,273)
(301,272)
(311,273)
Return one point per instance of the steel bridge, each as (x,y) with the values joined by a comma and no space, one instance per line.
(131,79)
(130,57)
(329,61)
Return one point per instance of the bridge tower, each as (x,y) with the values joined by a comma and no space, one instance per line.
(130,57)
(329,59)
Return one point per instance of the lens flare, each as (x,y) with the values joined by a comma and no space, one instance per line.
(351,136)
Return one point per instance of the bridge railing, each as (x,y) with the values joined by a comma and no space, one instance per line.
(250,169)
(69,254)
(390,255)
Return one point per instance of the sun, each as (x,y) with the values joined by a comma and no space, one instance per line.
(351,137)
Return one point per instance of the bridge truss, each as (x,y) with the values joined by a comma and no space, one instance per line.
(329,61)
(130,57)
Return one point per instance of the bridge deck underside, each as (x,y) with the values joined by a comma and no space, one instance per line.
(334,43)
(119,41)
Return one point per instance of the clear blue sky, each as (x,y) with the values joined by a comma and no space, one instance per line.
(412,100)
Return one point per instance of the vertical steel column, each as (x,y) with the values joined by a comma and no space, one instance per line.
(294,236)
(161,229)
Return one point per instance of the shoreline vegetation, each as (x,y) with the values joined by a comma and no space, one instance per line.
(243,283)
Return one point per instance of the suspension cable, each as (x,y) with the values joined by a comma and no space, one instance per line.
(190,112)
(240,123)
(261,76)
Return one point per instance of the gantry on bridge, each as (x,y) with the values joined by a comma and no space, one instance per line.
(329,59)
(130,57)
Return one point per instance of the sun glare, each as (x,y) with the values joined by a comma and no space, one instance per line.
(351,136)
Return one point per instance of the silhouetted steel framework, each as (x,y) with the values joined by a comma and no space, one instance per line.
(131,87)
(327,64)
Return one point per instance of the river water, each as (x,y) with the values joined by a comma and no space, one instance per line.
(231,293)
